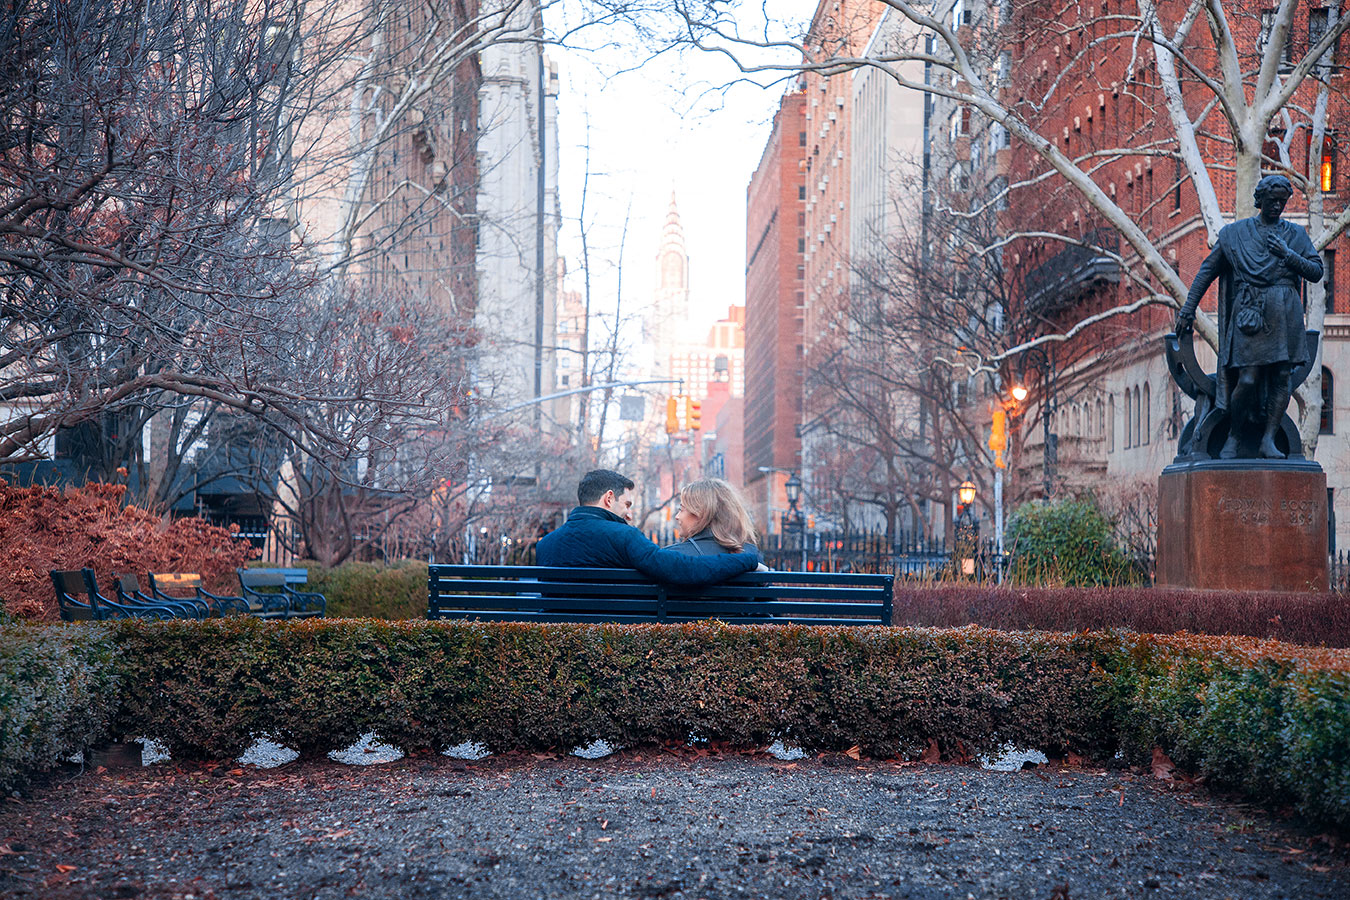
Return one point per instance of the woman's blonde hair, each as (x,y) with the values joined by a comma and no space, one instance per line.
(716,506)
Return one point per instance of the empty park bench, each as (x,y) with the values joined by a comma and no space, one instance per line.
(181,586)
(80,600)
(278,599)
(541,594)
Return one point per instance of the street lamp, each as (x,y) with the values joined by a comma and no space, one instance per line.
(967,529)
(1043,363)
(967,493)
(792,519)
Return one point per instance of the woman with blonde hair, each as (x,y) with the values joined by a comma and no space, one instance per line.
(713,519)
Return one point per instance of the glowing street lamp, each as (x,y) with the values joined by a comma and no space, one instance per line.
(966,492)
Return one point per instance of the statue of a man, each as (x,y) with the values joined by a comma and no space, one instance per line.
(1261,261)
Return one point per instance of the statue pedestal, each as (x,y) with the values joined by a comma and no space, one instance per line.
(1243,526)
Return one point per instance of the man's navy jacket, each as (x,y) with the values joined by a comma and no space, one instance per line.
(597,538)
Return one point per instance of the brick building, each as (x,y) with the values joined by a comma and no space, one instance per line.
(775,240)
(1114,411)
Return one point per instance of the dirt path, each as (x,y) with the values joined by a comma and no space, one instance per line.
(650,825)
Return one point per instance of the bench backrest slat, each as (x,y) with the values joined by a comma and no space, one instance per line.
(537,593)
(165,581)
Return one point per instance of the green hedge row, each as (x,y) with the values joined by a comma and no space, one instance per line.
(357,590)
(58,694)
(1272,720)
(207,688)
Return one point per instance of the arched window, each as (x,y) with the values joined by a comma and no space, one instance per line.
(1125,416)
(1146,415)
(1077,422)
(1328,402)
(1111,423)
(1101,419)
(1135,418)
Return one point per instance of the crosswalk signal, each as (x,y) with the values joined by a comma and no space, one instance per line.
(672,415)
(695,414)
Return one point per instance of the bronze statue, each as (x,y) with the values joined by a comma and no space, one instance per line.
(1260,262)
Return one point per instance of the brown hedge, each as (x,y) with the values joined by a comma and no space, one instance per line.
(206,689)
(1296,618)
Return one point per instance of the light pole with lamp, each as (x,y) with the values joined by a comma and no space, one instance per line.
(967,528)
(792,519)
(1039,358)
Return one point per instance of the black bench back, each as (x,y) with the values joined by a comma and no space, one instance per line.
(540,594)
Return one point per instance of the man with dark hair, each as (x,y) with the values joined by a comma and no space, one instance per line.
(597,534)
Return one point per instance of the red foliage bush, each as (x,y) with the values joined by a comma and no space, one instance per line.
(1311,619)
(45,528)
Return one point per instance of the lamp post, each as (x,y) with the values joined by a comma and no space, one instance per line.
(792,519)
(967,528)
(1044,364)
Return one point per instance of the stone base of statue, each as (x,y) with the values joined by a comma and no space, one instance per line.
(1243,525)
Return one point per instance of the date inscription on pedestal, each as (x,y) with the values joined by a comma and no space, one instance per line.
(1253,511)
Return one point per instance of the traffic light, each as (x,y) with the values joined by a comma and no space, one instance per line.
(998,437)
(672,415)
(695,417)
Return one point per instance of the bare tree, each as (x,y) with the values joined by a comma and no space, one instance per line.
(1213,82)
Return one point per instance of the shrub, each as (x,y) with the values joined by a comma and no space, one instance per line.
(1066,542)
(1271,720)
(206,688)
(58,692)
(368,590)
(44,528)
(1296,618)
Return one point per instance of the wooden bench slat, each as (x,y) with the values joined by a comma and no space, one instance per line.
(552,594)
(613,576)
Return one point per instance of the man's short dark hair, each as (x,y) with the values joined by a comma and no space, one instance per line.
(597,482)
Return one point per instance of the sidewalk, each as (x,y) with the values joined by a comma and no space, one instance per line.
(650,825)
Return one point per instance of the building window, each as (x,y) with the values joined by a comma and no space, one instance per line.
(1145,415)
(1176,190)
(1110,424)
(1101,420)
(960,15)
(1129,433)
(1329,279)
(1319,21)
(1286,52)
(1326,172)
(801,139)
(1328,425)
(801,192)
(960,178)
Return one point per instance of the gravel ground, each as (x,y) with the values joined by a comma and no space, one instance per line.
(654,824)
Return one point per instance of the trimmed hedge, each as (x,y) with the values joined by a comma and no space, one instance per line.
(207,688)
(1296,618)
(357,590)
(1271,720)
(58,694)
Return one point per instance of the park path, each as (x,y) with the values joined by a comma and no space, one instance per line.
(648,825)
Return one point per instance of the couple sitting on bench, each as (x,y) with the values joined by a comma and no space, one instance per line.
(599,534)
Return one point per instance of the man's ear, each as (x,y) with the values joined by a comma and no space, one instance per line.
(607,499)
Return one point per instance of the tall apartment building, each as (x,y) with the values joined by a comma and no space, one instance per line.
(774,269)
(518,216)
(839,28)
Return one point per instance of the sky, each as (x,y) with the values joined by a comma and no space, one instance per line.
(648,131)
